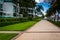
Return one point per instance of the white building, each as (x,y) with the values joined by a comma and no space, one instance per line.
(30,11)
(8,8)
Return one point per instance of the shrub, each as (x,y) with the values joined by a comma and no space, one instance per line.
(9,21)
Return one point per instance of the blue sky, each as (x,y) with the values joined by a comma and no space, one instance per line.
(46,6)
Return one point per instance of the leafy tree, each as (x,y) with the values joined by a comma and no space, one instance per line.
(39,8)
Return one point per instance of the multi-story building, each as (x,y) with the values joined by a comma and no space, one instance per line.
(9,8)
(30,11)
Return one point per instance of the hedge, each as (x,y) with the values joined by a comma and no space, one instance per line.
(9,21)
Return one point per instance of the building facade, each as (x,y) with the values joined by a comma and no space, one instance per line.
(9,8)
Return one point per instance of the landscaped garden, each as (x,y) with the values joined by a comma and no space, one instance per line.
(4,36)
(19,26)
(15,26)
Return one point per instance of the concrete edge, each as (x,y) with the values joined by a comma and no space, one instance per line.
(17,36)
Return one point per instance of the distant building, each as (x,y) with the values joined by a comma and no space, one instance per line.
(8,8)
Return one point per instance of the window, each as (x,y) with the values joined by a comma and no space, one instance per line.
(30,11)
(1,13)
(1,7)
(14,8)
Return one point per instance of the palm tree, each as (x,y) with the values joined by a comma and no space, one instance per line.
(50,12)
(39,8)
(58,7)
(55,7)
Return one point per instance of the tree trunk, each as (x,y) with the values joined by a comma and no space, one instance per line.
(58,17)
(55,17)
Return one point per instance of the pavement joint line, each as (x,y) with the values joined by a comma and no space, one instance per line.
(30,32)
(34,32)
(42,32)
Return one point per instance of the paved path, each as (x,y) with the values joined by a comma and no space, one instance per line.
(43,30)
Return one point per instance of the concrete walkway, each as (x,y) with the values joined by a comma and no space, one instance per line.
(43,30)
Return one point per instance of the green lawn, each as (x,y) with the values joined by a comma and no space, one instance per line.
(18,27)
(7,36)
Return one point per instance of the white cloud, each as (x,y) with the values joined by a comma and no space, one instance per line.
(39,1)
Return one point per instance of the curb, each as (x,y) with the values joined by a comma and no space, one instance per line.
(17,36)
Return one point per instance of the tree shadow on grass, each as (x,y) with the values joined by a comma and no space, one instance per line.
(57,23)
